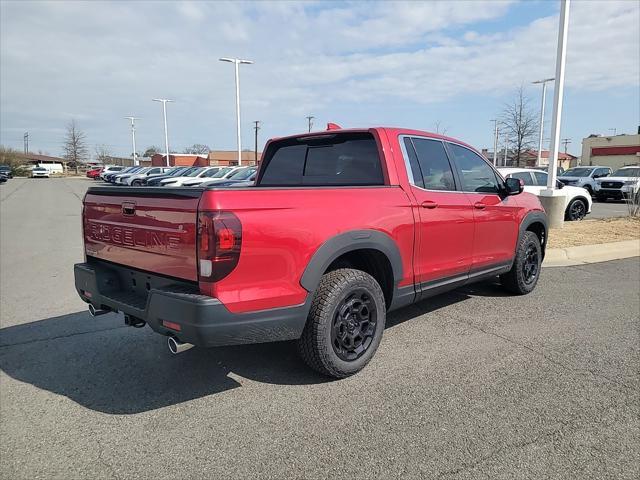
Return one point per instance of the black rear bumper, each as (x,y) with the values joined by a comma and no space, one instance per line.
(203,321)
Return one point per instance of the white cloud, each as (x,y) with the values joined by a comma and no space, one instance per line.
(104,60)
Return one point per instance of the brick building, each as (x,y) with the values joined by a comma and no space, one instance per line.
(179,160)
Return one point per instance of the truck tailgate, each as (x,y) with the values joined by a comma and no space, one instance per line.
(147,228)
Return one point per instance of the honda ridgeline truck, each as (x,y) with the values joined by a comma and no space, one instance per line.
(341,227)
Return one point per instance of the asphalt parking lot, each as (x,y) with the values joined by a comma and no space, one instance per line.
(472,384)
(609,209)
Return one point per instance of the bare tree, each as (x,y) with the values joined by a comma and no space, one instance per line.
(440,130)
(150,151)
(520,125)
(197,149)
(103,154)
(75,146)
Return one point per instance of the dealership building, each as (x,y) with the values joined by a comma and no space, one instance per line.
(613,151)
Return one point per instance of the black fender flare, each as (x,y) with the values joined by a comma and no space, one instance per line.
(535,217)
(347,242)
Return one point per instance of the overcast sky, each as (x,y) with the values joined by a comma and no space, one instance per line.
(356,64)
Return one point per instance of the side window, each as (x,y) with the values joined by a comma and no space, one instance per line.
(476,174)
(434,165)
(413,163)
(524,176)
(541,178)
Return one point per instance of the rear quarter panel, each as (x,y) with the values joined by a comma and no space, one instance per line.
(283,228)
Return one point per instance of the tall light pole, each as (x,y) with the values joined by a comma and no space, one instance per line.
(558,94)
(133,139)
(166,133)
(310,119)
(495,141)
(237,62)
(614,130)
(544,94)
(553,199)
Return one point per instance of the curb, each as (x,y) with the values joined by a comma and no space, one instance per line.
(585,254)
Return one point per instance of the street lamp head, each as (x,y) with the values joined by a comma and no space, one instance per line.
(543,81)
(235,60)
(161,100)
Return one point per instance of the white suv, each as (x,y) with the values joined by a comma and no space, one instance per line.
(585,177)
(577,199)
(623,183)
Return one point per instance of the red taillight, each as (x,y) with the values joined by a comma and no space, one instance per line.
(219,241)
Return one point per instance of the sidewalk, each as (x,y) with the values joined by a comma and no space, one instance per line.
(603,252)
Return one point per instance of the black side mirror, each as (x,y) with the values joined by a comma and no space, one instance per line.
(559,184)
(513,186)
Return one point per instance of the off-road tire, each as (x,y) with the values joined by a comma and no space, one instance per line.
(315,346)
(515,280)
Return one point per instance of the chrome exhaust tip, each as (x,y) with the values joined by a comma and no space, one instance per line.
(176,346)
(96,311)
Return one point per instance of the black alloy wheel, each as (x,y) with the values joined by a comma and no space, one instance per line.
(530,265)
(577,210)
(345,323)
(354,325)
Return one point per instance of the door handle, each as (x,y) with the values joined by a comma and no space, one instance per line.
(480,205)
(428,204)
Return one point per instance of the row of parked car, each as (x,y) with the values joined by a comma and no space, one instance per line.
(603,183)
(218,176)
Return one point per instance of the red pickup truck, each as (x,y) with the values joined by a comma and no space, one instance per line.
(340,227)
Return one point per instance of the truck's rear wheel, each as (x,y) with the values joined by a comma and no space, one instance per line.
(345,323)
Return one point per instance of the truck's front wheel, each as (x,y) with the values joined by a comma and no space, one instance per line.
(345,323)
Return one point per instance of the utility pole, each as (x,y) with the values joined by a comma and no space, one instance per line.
(133,139)
(310,119)
(237,62)
(495,141)
(614,130)
(544,94)
(256,127)
(565,142)
(506,145)
(166,134)
(26,142)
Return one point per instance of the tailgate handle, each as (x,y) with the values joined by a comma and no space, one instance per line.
(128,208)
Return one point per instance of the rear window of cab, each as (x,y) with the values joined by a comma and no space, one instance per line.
(339,159)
